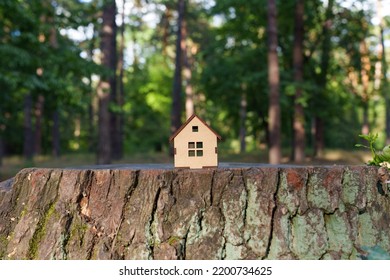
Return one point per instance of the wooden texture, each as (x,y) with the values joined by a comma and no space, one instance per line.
(141,212)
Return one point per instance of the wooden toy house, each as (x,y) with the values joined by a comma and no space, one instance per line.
(195,145)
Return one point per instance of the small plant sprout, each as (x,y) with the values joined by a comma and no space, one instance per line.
(379,158)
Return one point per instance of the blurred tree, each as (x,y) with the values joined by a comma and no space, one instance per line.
(273,81)
(177,78)
(322,79)
(299,116)
(107,84)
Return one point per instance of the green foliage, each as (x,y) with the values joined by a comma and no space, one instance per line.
(228,44)
(379,158)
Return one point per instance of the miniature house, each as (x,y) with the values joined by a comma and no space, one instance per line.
(195,145)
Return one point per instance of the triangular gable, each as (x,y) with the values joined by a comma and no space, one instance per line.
(187,122)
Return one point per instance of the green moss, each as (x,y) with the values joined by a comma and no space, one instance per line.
(78,230)
(3,245)
(173,239)
(40,232)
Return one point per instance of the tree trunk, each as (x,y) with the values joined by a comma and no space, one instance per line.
(56,149)
(383,84)
(118,137)
(187,72)
(1,149)
(365,81)
(243,113)
(274,84)
(319,142)
(28,144)
(165,25)
(106,86)
(92,104)
(177,79)
(366,123)
(299,114)
(142,213)
(114,94)
(38,124)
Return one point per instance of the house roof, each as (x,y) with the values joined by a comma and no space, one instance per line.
(187,122)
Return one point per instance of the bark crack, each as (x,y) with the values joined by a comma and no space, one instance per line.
(151,231)
(275,198)
(126,200)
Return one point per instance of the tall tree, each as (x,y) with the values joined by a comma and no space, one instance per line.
(299,114)
(381,81)
(274,85)
(186,51)
(319,141)
(106,86)
(28,145)
(118,136)
(365,82)
(177,79)
(38,112)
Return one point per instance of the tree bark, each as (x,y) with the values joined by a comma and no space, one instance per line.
(56,145)
(144,213)
(106,86)
(299,114)
(274,84)
(177,79)
(38,112)
(28,143)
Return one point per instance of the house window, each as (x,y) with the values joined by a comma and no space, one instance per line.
(195,128)
(195,150)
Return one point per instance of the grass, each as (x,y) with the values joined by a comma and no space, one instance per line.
(12,165)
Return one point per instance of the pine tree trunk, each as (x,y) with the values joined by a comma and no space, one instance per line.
(28,144)
(299,114)
(274,84)
(38,124)
(366,123)
(243,113)
(114,94)
(106,86)
(319,141)
(382,65)
(56,149)
(187,72)
(1,150)
(121,92)
(365,81)
(177,79)
(91,106)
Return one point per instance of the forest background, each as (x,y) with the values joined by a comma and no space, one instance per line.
(103,81)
